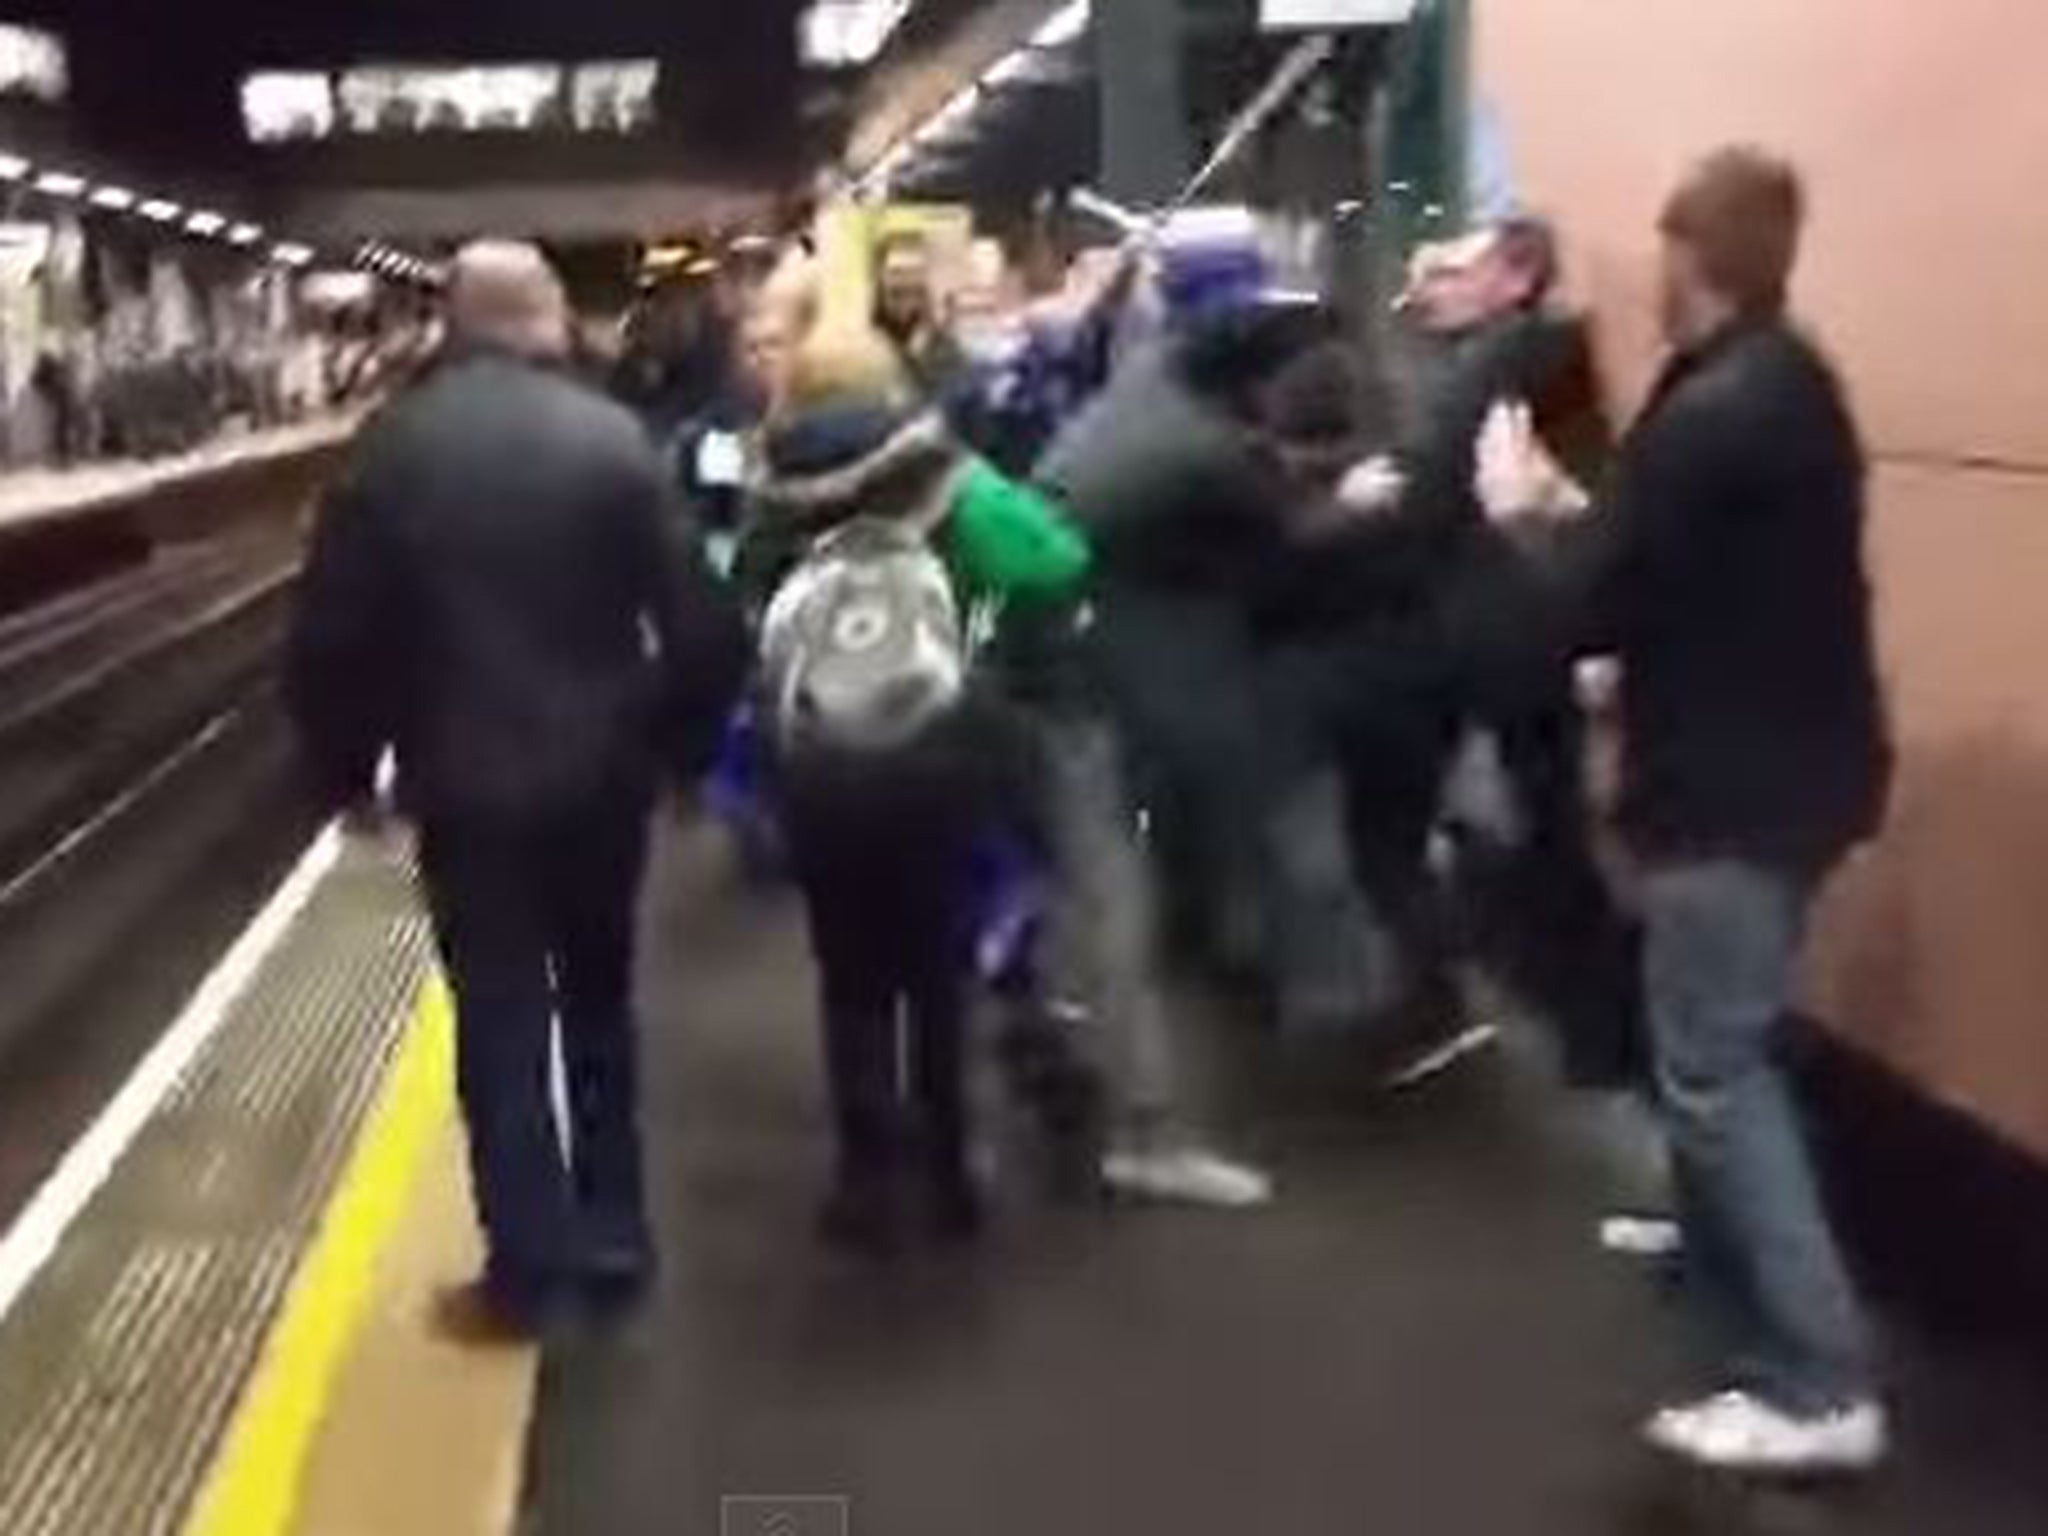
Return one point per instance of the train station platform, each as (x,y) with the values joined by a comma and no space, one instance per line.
(214,1315)
(41,496)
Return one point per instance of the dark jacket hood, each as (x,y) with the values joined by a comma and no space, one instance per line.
(856,459)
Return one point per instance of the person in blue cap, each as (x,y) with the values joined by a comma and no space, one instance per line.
(1155,749)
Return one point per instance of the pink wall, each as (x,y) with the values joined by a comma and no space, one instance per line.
(1923,132)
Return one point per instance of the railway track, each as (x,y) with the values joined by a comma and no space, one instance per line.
(142,748)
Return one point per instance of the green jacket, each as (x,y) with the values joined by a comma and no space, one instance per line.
(1005,542)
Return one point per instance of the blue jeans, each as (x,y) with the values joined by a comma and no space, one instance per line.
(535,919)
(1723,942)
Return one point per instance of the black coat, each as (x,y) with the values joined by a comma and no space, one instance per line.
(1502,636)
(501,590)
(1726,569)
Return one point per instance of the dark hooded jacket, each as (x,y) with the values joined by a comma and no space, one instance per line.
(856,457)
(1003,544)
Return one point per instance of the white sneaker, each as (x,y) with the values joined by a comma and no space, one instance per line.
(1642,1237)
(1186,1176)
(1736,1432)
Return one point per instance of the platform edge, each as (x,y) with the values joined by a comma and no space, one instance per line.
(257,1476)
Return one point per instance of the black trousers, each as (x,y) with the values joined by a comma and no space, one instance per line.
(1538,914)
(1547,921)
(1392,758)
(535,919)
(883,870)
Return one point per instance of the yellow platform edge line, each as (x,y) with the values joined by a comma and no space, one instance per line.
(257,1476)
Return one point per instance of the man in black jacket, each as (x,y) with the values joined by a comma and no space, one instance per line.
(1724,569)
(1495,655)
(501,595)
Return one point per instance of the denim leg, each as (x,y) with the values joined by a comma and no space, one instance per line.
(596,864)
(484,891)
(1720,965)
(1103,937)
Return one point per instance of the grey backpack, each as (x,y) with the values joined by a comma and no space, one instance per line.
(863,647)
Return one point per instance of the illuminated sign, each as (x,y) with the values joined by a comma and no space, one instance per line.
(604,96)
(842,34)
(1334,13)
(280,106)
(33,63)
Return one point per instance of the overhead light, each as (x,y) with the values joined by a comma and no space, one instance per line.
(1064,26)
(60,184)
(206,222)
(289,254)
(952,114)
(13,167)
(1009,67)
(844,34)
(244,234)
(113,199)
(162,210)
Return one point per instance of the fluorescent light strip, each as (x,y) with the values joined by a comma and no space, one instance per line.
(206,222)
(244,234)
(113,199)
(13,167)
(952,115)
(1062,27)
(292,255)
(161,210)
(60,184)
(1008,68)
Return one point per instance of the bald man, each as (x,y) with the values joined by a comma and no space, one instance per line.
(501,595)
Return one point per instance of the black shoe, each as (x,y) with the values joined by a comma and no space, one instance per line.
(1074,1131)
(616,1281)
(860,1220)
(956,1214)
(480,1315)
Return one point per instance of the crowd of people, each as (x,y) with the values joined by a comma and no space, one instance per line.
(1174,626)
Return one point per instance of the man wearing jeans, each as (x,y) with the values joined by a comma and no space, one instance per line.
(1723,567)
(501,593)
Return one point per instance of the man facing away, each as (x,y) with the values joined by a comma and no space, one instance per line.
(1724,569)
(500,594)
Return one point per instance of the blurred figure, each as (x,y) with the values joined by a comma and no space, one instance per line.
(907,312)
(1359,720)
(1158,761)
(1540,912)
(1167,470)
(677,357)
(873,538)
(769,336)
(778,321)
(499,594)
(1060,359)
(1724,570)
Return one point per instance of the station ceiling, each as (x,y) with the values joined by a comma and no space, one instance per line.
(168,74)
